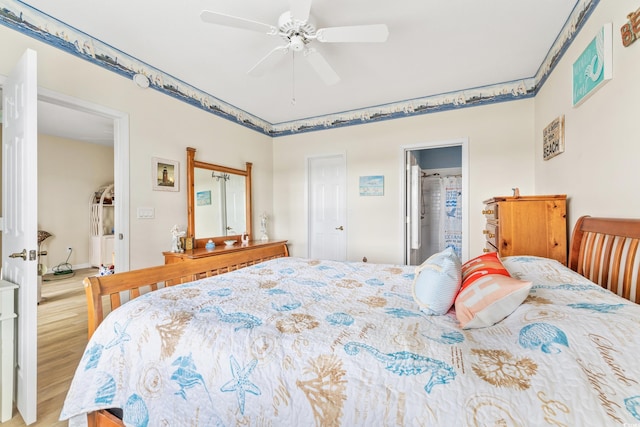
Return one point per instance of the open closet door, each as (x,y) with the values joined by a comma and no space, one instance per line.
(413,209)
(20,228)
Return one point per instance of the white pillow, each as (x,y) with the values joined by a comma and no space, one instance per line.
(437,282)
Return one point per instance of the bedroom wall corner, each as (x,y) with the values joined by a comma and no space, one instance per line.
(599,167)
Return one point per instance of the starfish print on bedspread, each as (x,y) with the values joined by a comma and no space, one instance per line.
(407,363)
(121,335)
(240,382)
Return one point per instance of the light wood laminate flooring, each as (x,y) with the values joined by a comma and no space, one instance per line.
(62,337)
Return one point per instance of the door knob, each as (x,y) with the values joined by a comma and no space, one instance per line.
(340,228)
(22,255)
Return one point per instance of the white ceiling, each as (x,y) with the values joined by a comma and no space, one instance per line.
(434,47)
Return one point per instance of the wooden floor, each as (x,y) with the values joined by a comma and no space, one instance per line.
(62,337)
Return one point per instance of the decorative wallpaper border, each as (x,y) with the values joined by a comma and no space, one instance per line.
(36,24)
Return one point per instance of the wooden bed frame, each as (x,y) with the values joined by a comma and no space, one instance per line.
(602,249)
(106,293)
(605,250)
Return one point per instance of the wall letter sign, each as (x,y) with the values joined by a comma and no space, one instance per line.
(631,30)
(553,138)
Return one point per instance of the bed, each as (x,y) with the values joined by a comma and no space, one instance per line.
(294,341)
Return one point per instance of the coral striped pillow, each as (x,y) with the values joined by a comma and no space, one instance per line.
(488,293)
(475,268)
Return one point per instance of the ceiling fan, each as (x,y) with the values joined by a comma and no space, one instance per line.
(297,28)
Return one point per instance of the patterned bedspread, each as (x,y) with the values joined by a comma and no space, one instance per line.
(297,342)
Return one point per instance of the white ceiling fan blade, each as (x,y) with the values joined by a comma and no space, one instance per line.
(300,10)
(376,33)
(321,66)
(269,61)
(236,22)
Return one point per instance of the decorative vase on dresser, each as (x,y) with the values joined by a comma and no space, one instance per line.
(527,225)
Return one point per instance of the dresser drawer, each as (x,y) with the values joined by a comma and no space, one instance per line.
(491,233)
(488,247)
(490,211)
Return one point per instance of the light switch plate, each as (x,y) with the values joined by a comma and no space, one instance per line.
(146,213)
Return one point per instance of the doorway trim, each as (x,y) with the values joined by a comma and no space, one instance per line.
(461,142)
(120,162)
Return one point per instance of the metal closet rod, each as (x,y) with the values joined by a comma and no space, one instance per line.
(424,175)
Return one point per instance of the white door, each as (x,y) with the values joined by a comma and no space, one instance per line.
(327,208)
(20,209)
(235,204)
(414,217)
(413,222)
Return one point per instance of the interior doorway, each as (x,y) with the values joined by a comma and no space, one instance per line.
(119,121)
(436,197)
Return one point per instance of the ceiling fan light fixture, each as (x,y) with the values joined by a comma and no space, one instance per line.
(297,43)
(298,30)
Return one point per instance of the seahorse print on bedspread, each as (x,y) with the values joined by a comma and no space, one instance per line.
(407,363)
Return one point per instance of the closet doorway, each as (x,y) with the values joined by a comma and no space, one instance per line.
(436,197)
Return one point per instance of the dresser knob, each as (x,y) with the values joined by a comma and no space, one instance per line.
(487,212)
(485,250)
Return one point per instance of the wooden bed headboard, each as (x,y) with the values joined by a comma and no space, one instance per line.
(605,250)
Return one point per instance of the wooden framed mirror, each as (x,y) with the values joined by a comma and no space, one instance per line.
(218,201)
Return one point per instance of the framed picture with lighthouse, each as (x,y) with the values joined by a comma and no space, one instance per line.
(165,174)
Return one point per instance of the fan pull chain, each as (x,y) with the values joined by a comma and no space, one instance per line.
(293,79)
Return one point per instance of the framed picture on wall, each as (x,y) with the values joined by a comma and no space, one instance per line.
(593,68)
(165,174)
(372,185)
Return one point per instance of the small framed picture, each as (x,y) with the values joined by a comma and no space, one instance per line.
(203,198)
(165,174)
(372,185)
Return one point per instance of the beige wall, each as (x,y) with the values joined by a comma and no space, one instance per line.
(600,168)
(68,174)
(160,126)
(501,157)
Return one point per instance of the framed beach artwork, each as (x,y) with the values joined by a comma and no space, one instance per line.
(372,185)
(165,174)
(593,68)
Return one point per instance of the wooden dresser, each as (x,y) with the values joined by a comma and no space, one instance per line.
(527,225)
(252,253)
